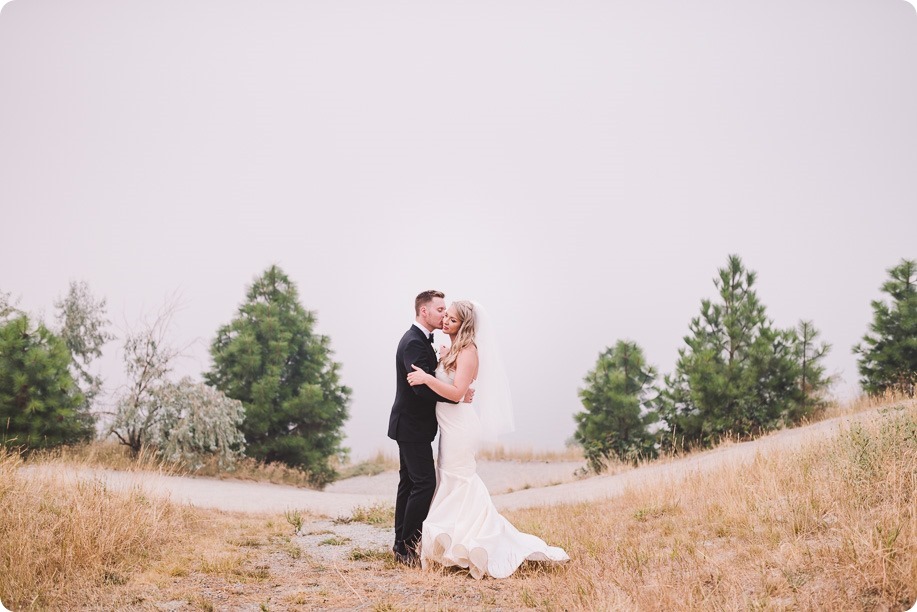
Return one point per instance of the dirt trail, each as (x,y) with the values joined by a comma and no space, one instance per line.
(602,487)
(338,499)
(536,483)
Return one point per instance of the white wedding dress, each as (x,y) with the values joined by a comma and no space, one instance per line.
(463,526)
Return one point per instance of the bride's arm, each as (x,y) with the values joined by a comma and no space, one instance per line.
(465,366)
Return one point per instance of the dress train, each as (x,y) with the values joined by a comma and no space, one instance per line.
(463,527)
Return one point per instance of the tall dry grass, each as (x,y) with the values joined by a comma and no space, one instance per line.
(114,456)
(500,452)
(62,541)
(382,461)
(862,403)
(103,454)
(830,527)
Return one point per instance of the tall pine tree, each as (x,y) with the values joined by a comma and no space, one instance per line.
(616,414)
(888,354)
(269,358)
(813,383)
(38,396)
(737,374)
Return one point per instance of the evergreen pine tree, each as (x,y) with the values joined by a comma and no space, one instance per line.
(38,396)
(615,398)
(813,383)
(737,374)
(269,358)
(888,354)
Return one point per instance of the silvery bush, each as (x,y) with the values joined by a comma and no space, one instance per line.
(195,421)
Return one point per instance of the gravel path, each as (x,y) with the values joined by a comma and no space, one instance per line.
(337,500)
(513,484)
(603,487)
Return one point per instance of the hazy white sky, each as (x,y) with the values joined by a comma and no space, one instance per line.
(582,168)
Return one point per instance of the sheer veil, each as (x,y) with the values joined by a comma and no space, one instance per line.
(492,400)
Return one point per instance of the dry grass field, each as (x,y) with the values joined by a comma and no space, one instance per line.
(114,456)
(832,526)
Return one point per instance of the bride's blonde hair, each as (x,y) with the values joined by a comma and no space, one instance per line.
(464,311)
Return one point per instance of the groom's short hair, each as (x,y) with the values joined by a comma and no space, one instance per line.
(425,297)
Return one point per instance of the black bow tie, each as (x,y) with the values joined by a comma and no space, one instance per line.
(430,339)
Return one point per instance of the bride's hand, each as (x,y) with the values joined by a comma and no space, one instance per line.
(417,377)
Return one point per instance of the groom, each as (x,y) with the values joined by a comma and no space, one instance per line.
(413,425)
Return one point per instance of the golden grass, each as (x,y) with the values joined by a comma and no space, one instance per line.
(75,544)
(114,456)
(380,515)
(381,462)
(861,403)
(110,455)
(832,526)
(60,541)
(499,452)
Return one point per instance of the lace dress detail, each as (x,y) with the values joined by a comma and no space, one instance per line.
(463,527)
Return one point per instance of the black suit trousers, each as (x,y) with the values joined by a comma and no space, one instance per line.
(416,486)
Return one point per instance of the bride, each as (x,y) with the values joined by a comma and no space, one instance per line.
(463,527)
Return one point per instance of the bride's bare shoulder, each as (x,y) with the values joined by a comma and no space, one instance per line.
(469,359)
(469,354)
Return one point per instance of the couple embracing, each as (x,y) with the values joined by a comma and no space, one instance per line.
(443,511)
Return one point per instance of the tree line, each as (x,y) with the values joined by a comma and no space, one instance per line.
(737,374)
(273,391)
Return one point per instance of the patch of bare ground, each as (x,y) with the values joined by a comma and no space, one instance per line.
(260,563)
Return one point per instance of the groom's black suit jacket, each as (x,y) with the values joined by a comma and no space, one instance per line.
(413,417)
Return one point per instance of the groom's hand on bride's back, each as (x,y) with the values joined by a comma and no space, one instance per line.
(469,396)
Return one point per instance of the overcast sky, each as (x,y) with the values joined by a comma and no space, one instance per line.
(582,168)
